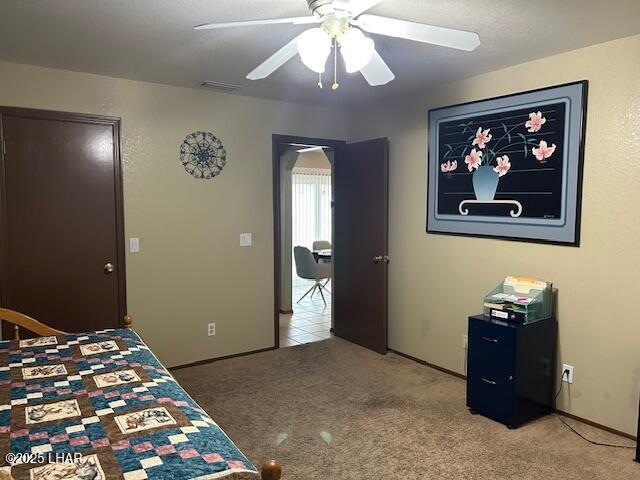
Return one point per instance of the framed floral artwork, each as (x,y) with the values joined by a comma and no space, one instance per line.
(509,167)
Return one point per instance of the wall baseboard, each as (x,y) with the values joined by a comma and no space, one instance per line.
(430,365)
(596,425)
(217,359)
(555,410)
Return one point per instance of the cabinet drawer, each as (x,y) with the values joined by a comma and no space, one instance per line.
(492,346)
(491,397)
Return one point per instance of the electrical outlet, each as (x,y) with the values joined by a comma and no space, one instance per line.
(465,341)
(567,377)
(211,329)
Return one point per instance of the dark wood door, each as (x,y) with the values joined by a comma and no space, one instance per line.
(62,256)
(360,249)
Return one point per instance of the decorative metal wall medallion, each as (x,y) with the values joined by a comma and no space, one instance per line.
(203,155)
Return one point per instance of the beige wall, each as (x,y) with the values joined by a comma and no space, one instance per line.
(191,269)
(436,281)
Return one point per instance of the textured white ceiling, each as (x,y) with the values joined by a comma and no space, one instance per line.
(153,40)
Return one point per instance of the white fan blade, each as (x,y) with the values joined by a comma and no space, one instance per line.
(355,7)
(419,32)
(377,72)
(275,61)
(250,23)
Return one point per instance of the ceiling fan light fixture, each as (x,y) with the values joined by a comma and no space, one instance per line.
(314,47)
(356,50)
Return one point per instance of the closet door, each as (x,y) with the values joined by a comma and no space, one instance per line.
(62,241)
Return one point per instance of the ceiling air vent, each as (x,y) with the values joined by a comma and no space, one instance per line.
(223,87)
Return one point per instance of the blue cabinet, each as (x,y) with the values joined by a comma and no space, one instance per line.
(511,369)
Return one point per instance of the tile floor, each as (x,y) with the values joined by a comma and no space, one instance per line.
(311,319)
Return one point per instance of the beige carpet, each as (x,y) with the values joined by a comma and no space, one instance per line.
(385,417)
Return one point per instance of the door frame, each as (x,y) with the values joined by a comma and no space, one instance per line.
(276,141)
(116,124)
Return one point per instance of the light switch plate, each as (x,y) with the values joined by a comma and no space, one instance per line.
(134,245)
(245,239)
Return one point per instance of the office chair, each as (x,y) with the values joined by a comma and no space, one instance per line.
(309,269)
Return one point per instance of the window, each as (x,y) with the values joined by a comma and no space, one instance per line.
(310,208)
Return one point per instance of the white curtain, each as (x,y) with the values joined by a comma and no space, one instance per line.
(311,209)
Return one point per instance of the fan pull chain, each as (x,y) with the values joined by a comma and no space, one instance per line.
(320,80)
(335,65)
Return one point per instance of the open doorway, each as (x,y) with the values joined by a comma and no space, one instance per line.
(330,241)
(311,233)
(306,240)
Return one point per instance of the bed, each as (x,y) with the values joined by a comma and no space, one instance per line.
(100,406)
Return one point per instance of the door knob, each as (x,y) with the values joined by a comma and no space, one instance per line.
(108,267)
(381,258)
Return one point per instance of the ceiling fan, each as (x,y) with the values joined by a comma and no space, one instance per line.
(341,26)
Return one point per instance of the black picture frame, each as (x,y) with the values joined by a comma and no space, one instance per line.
(550,212)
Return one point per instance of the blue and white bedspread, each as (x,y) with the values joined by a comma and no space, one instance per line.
(100,406)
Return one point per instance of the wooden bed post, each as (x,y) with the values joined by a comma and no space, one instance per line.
(271,470)
(127,322)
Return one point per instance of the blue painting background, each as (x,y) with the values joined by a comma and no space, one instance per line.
(537,186)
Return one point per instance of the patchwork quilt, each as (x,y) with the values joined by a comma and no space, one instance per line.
(100,406)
